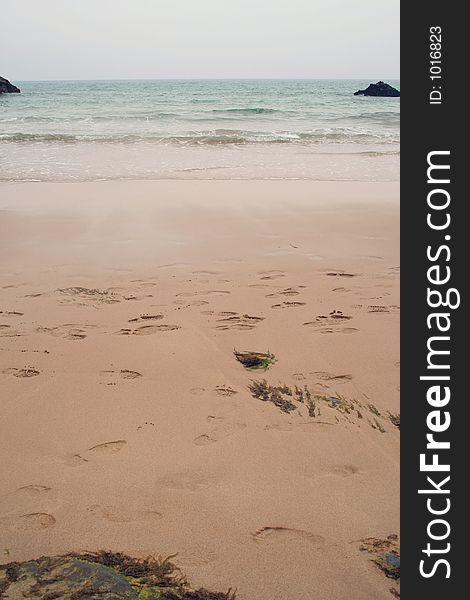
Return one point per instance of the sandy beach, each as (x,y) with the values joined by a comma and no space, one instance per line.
(128,423)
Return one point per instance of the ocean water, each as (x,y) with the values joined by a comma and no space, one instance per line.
(205,129)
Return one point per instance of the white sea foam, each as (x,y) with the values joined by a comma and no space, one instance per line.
(212,129)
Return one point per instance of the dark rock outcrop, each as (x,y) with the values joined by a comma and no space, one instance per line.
(379,89)
(101,575)
(8,88)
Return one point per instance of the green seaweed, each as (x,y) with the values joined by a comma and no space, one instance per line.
(255,360)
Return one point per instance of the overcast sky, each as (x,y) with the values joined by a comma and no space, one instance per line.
(120,39)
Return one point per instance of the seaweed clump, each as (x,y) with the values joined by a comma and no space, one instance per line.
(102,576)
(282,396)
(255,360)
(338,402)
(386,554)
(278,395)
(304,395)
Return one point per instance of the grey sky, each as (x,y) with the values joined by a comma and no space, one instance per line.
(118,39)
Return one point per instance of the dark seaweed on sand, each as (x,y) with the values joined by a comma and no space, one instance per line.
(386,554)
(394,419)
(101,575)
(278,395)
(255,360)
(282,396)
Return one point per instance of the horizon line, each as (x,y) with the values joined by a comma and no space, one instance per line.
(394,78)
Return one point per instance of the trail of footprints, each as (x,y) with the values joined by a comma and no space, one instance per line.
(145,324)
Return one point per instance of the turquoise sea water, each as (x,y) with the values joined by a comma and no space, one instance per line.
(90,130)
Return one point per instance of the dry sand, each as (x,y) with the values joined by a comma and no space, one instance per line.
(127,423)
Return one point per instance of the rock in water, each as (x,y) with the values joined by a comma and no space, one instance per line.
(379,89)
(8,88)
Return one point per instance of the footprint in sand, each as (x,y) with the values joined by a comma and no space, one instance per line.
(204,272)
(203,293)
(33,490)
(288,305)
(25,373)
(214,292)
(11,313)
(214,419)
(386,277)
(332,318)
(147,329)
(116,514)
(8,331)
(196,391)
(196,556)
(106,448)
(68,331)
(26,499)
(276,534)
(132,297)
(285,292)
(342,470)
(379,308)
(97,451)
(345,330)
(269,275)
(145,425)
(232,320)
(219,433)
(340,274)
(145,318)
(122,374)
(186,304)
(13,286)
(186,481)
(36,521)
(224,390)
(325,376)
